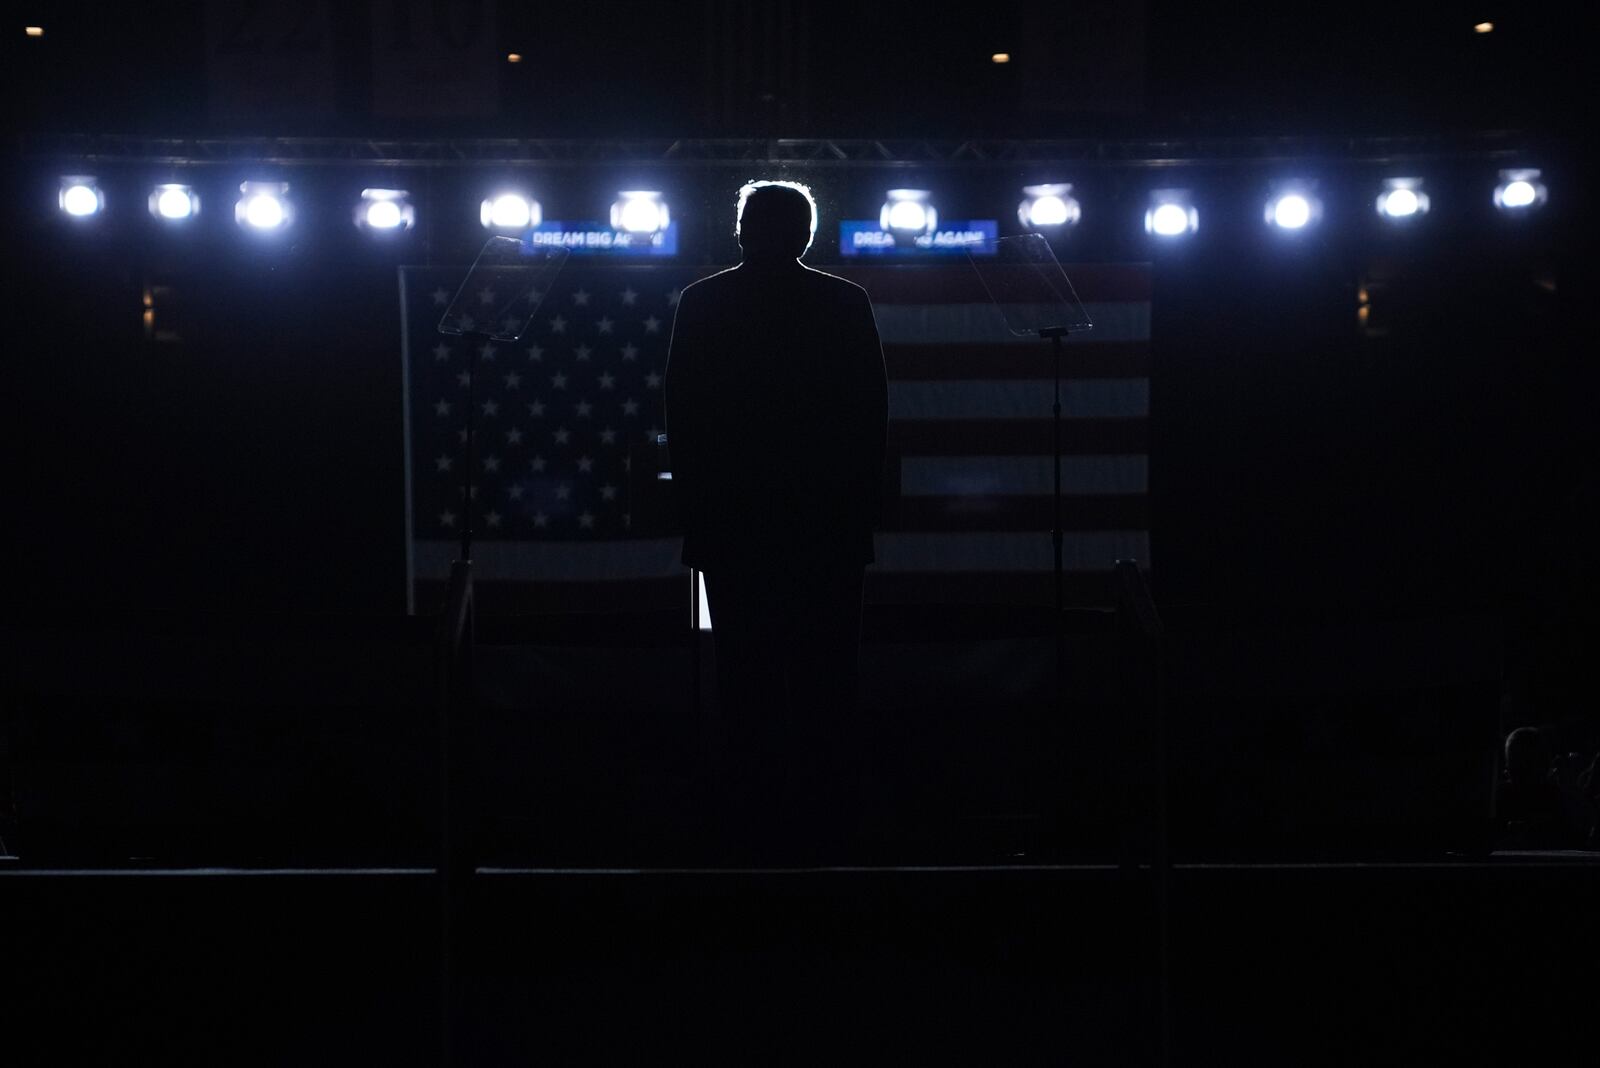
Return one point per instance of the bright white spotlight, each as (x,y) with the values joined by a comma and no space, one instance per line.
(1520,190)
(385,209)
(1170,214)
(264,206)
(510,211)
(80,196)
(1293,206)
(1402,198)
(1051,204)
(640,211)
(173,202)
(908,211)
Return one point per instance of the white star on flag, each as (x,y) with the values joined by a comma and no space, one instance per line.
(580,297)
(513,380)
(651,434)
(515,493)
(629,296)
(605,325)
(448,518)
(486,351)
(441,295)
(493,518)
(467,322)
(535,353)
(563,491)
(630,407)
(558,325)
(442,407)
(537,463)
(608,436)
(491,463)
(465,378)
(608,380)
(485,295)
(652,325)
(514,436)
(584,408)
(608,492)
(441,351)
(629,351)
(442,463)
(672,296)
(461,435)
(586,520)
(491,408)
(561,436)
(536,409)
(539,519)
(582,352)
(652,380)
(558,380)
(585,464)
(535,296)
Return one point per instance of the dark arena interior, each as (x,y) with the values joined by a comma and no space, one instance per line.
(442,631)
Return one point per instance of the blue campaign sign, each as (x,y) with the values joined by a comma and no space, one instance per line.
(597,237)
(863,237)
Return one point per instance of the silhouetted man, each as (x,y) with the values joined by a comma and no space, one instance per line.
(777,413)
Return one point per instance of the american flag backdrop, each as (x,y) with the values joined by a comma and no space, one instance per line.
(569,515)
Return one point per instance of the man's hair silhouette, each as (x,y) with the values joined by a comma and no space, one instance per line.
(776,220)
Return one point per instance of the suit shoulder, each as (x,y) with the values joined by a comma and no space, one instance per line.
(710,283)
(839,288)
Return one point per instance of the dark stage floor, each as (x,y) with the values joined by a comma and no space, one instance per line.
(1463,962)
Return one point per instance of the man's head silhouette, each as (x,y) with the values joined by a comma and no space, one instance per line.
(776,221)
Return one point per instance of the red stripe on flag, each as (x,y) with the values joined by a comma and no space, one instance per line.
(1016,437)
(1107,359)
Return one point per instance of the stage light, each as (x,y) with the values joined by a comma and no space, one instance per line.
(1000,57)
(1520,190)
(385,209)
(1293,206)
(173,202)
(640,211)
(1483,27)
(33,31)
(1049,205)
(264,206)
(80,196)
(908,211)
(510,211)
(1402,198)
(513,57)
(1171,214)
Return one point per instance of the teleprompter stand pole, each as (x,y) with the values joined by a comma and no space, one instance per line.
(1056,334)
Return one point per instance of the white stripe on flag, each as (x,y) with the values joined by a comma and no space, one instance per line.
(986,476)
(1027,398)
(1091,550)
(953,324)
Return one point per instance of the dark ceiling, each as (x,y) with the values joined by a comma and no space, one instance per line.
(614,69)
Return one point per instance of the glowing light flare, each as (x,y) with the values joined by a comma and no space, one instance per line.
(513,57)
(640,211)
(1483,27)
(385,210)
(1050,204)
(510,211)
(80,198)
(1402,199)
(1000,57)
(1520,190)
(264,206)
(1291,212)
(173,202)
(908,211)
(33,31)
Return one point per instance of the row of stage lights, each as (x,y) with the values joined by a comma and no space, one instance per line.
(1294,205)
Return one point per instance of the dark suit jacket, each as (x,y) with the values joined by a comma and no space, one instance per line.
(777,416)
